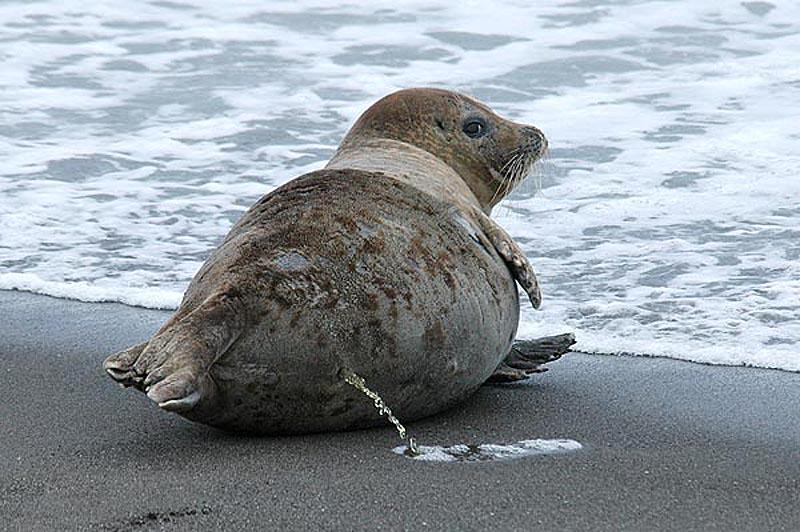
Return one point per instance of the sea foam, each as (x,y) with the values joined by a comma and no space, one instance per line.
(667,222)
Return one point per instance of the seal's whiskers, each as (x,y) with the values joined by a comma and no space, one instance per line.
(503,172)
(522,169)
(513,173)
(540,169)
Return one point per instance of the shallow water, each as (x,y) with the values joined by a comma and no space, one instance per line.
(133,134)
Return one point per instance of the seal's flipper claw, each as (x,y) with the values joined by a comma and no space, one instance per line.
(505,373)
(179,392)
(184,404)
(528,356)
(119,366)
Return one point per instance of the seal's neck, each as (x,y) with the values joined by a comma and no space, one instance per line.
(409,164)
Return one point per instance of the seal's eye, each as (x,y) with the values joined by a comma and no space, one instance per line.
(475,127)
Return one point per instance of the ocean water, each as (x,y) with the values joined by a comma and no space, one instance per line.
(665,222)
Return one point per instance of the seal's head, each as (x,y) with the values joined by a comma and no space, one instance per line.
(491,154)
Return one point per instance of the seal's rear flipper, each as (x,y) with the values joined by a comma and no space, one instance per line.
(173,367)
(119,366)
(528,356)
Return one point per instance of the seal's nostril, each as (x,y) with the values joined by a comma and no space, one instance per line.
(542,144)
(538,144)
(536,139)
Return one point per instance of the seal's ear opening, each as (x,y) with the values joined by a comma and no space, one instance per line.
(440,124)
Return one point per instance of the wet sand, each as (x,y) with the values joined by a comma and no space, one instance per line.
(668,445)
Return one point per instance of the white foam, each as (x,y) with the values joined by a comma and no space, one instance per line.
(92,293)
(489,451)
(133,135)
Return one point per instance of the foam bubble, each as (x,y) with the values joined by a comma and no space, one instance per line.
(490,451)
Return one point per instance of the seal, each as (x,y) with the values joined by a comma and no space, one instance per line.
(385,263)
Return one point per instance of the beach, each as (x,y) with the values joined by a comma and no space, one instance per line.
(667,445)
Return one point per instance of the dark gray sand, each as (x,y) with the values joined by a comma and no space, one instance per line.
(667,446)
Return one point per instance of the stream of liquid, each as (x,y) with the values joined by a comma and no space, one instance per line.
(460,452)
(359,384)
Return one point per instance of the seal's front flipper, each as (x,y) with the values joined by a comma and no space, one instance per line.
(173,368)
(528,356)
(515,259)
